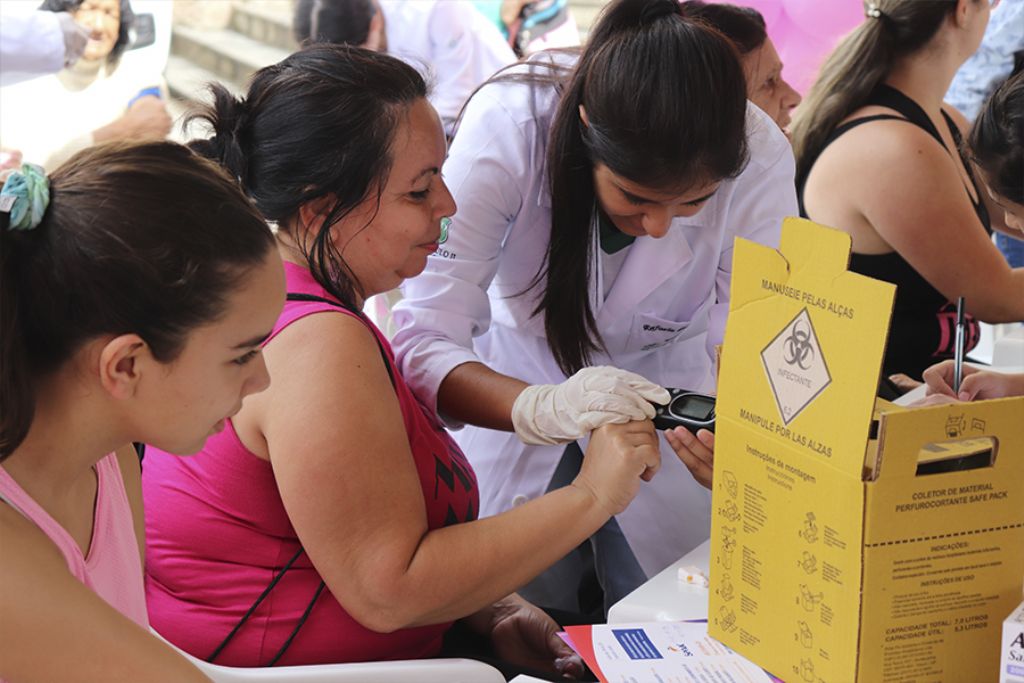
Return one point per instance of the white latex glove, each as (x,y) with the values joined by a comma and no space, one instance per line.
(76,37)
(560,413)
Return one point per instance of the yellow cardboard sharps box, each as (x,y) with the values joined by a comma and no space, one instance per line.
(849,544)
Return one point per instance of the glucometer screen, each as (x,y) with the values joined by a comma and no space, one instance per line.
(692,407)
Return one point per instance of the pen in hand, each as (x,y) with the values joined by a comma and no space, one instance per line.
(958,358)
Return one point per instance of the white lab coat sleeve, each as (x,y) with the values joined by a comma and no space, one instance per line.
(445,307)
(764,195)
(31,44)
(466,51)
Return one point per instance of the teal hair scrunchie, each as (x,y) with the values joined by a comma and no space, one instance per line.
(25,196)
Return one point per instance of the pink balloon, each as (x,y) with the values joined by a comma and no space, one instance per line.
(825,19)
(805,31)
(802,54)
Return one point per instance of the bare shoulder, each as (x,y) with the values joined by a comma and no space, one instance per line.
(885,151)
(321,361)
(26,547)
(329,330)
(315,364)
(53,623)
(876,179)
(324,347)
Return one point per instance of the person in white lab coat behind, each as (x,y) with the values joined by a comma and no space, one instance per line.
(34,42)
(449,39)
(103,97)
(598,202)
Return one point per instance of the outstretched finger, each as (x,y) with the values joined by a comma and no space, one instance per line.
(694,453)
(701,445)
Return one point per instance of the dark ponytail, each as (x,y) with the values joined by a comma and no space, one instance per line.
(226,118)
(859,63)
(147,239)
(666,103)
(17,402)
(319,123)
(996,142)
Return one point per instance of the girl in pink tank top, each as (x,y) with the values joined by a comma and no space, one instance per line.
(127,315)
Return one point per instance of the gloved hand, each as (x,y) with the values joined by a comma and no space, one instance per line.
(560,413)
(76,37)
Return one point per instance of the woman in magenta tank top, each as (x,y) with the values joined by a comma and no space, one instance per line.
(128,315)
(336,494)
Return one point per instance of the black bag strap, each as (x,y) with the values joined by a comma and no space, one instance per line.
(255,605)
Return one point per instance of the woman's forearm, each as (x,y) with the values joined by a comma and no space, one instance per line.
(475,394)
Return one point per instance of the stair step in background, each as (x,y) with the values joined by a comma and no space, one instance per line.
(257,34)
(229,54)
(265,23)
(188,81)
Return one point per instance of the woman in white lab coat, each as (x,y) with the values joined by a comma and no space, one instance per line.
(597,210)
(37,42)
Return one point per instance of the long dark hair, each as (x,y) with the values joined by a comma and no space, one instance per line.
(996,142)
(861,61)
(148,239)
(744,26)
(666,103)
(127,18)
(319,123)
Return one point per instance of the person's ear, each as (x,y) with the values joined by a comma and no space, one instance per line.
(313,213)
(122,361)
(964,12)
(375,36)
(583,117)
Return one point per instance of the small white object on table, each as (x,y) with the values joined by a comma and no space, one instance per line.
(665,597)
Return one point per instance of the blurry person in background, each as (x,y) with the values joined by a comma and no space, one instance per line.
(34,42)
(533,25)
(1000,54)
(761,64)
(50,118)
(449,39)
(996,145)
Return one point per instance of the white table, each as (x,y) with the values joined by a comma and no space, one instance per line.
(1009,348)
(665,597)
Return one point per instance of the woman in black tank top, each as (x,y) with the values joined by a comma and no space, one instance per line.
(878,157)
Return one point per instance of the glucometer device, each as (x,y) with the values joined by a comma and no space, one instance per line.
(686,409)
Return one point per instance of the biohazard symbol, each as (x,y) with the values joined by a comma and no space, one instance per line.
(799,350)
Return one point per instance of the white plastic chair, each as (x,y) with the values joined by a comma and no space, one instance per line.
(404,671)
